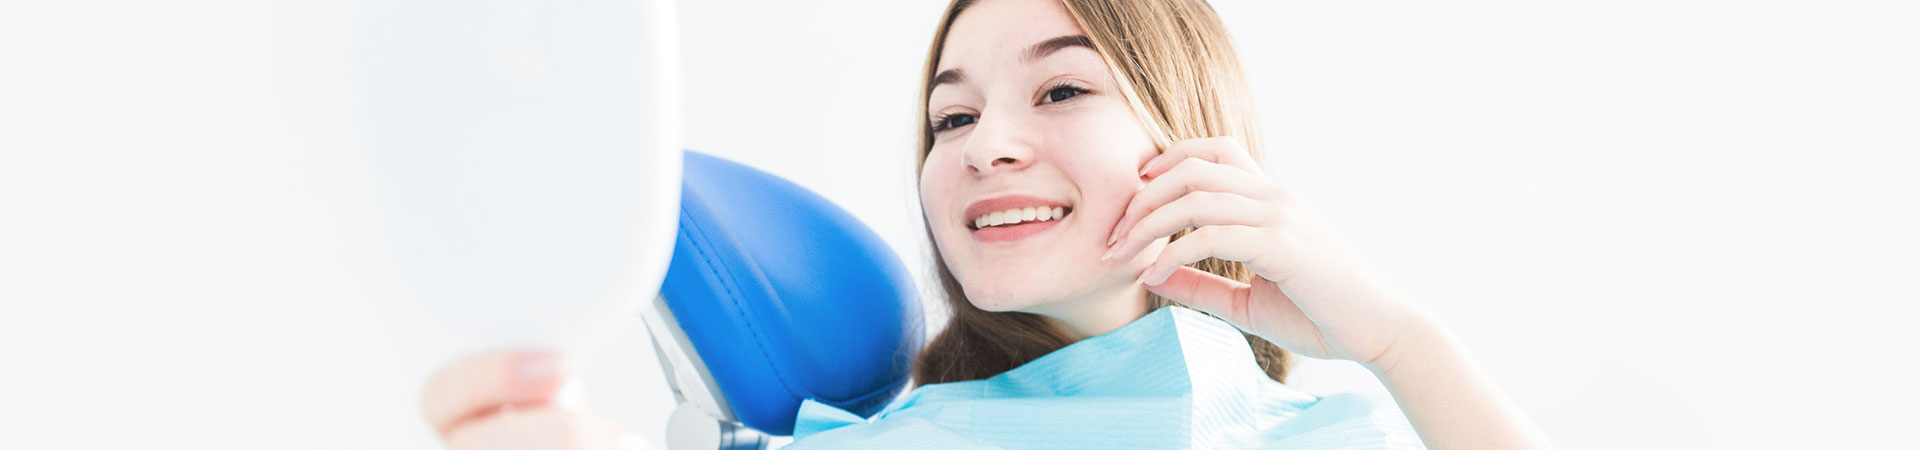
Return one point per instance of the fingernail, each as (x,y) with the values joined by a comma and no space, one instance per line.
(537,368)
(1148,167)
(1107,256)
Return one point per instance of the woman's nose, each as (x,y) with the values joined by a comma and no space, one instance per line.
(997,146)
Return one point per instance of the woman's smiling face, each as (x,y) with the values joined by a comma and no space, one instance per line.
(1027,117)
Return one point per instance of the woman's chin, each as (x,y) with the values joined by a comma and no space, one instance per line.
(1009,298)
(1036,295)
(1004,302)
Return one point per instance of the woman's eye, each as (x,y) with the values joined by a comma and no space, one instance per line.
(1063,93)
(952,121)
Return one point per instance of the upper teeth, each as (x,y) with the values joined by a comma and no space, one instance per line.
(1019,215)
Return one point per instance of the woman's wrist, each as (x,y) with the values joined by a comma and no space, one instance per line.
(1446,395)
(1420,337)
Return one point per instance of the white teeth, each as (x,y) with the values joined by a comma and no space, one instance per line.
(1019,215)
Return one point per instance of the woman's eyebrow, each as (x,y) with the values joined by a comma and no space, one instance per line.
(1035,53)
(1047,47)
(948,76)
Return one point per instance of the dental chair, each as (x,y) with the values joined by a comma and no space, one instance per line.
(774,296)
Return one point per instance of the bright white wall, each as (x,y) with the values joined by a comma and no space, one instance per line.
(1679,224)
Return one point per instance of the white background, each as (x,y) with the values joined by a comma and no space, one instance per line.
(1678,224)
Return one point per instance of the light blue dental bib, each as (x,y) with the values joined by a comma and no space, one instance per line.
(1175,378)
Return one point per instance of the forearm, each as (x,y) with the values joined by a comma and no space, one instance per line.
(1448,397)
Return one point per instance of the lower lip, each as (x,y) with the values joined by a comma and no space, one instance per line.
(1014,232)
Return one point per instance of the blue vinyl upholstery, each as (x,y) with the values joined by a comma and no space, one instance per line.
(787,297)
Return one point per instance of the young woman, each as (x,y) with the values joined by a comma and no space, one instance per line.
(1085,165)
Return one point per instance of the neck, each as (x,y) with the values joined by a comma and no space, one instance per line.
(1100,312)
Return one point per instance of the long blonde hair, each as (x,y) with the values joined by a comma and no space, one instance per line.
(1175,65)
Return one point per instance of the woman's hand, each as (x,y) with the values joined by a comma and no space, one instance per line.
(505,400)
(1312,295)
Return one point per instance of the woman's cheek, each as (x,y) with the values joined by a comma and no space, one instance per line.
(936,186)
(1109,187)
(937,189)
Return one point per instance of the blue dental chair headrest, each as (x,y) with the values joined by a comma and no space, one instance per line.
(785,297)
